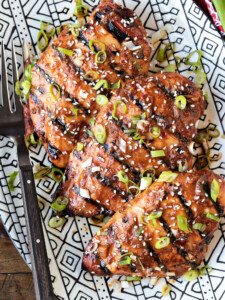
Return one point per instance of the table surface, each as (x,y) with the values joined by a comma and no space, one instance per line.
(15,277)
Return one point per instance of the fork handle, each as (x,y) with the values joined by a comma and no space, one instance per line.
(39,260)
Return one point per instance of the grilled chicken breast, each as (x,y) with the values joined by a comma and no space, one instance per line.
(131,143)
(61,123)
(136,243)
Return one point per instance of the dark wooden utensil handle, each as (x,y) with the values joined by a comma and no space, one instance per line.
(39,260)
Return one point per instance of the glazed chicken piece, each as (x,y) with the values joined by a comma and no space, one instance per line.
(164,231)
(59,124)
(151,126)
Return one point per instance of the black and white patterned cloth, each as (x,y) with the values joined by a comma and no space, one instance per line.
(20,19)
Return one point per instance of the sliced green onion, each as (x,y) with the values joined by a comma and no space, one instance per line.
(153,222)
(145,182)
(135,119)
(140,263)
(26,87)
(89,132)
(75,30)
(42,172)
(162,242)
(155,133)
(91,42)
(181,102)
(214,130)
(157,153)
(91,75)
(102,99)
(27,71)
(149,175)
(57,174)
(100,133)
(12,178)
(133,278)
(130,131)
(199,226)
(200,79)
(182,168)
(170,68)
(75,111)
(191,275)
(43,25)
(41,34)
(61,27)
(81,8)
(101,83)
(183,223)
(56,222)
(139,231)
(178,60)
(92,121)
(101,232)
(212,217)
(66,51)
(100,57)
(203,162)
(162,52)
(116,85)
(116,103)
(32,140)
(80,146)
(123,176)
(214,192)
(154,215)
(203,271)
(167,176)
(124,262)
(51,33)
(51,91)
(137,66)
(187,60)
(17,87)
(60,203)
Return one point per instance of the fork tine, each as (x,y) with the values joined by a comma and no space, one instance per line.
(16,98)
(5,101)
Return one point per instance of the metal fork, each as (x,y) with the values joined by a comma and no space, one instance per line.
(12,125)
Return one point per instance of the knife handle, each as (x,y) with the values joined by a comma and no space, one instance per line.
(39,259)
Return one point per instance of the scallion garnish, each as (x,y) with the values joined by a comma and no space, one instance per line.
(145,182)
(200,79)
(42,34)
(100,57)
(123,176)
(26,84)
(116,103)
(101,83)
(178,60)
(199,226)
(91,75)
(181,102)
(57,174)
(102,99)
(162,52)
(150,173)
(80,146)
(115,85)
(196,66)
(167,176)
(102,232)
(162,242)
(214,192)
(60,203)
(202,162)
(66,51)
(170,68)
(92,121)
(182,168)
(212,217)
(89,132)
(75,30)
(157,153)
(56,222)
(183,223)
(75,111)
(81,8)
(133,278)
(42,172)
(51,91)
(155,132)
(137,66)
(61,27)
(43,27)
(203,271)
(12,178)
(91,46)
(100,133)
(213,130)
(191,275)
(17,87)
(139,231)
(125,261)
